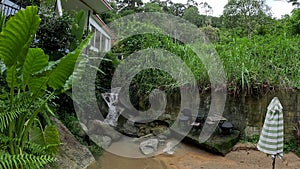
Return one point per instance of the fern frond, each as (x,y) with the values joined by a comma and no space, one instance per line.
(22,104)
(30,147)
(34,148)
(5,139)
(23,99)
(24,161)
(7,117)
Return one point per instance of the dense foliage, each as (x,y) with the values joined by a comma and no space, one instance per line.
(54,33)
(256,58)
(245,16)
(28,139)
(58,35)
(259,53)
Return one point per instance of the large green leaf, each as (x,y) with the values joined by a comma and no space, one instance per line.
(11,77)
(49,138)
(37,84)
(17,36)
(65,66)
(2,20)
(35,61)
(77,74)
(78,28)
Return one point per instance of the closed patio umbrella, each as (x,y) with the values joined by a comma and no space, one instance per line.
(271,137)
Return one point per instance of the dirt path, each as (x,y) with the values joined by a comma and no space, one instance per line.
(193,158)
(188,157)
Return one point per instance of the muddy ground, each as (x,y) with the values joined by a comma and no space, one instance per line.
(189,157)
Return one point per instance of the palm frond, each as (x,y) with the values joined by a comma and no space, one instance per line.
(76,75)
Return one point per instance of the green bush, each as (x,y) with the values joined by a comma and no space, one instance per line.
(54,34)
(59,35)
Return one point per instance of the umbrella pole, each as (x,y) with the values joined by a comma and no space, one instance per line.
(273,164)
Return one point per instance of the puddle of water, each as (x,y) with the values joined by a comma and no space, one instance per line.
(112,161)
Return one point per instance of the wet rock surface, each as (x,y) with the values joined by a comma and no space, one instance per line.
(71,155)
(129,129)
(149,147)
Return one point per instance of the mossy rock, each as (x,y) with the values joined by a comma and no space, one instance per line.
(221,144)
(217,143)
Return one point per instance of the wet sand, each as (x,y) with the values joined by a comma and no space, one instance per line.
(189,157)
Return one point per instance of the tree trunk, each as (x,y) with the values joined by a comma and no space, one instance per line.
(249,29)
(249,34)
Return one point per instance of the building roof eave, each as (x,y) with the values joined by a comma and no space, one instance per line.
(107,29)
(98,6)
(107,4)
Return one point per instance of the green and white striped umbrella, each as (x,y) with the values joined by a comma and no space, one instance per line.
(271,137)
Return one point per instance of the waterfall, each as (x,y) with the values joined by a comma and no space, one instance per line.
(111,100)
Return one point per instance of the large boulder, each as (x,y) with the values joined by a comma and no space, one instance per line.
(97,127)
(129,129)
(217,143)
(72,154)
(100,140)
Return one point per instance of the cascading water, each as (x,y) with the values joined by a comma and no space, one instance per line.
(113,113)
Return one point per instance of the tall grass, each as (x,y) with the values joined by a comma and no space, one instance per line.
(251,66)
(262,62)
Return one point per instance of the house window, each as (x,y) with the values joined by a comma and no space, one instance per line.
(9,8)
(100,41)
